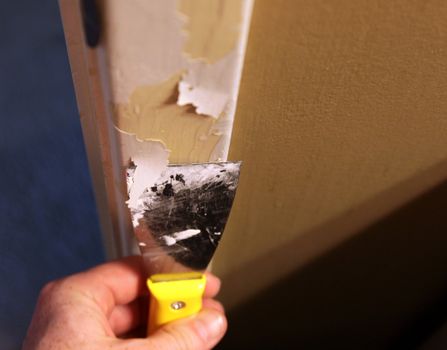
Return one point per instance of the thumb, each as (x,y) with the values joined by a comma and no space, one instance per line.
(200,332)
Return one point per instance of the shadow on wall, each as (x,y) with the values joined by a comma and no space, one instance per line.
(384,288)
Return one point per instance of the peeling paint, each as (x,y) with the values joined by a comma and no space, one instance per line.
(212,27)
(145,44)
(208,87)
(153,114)
(174,69)
(150,159)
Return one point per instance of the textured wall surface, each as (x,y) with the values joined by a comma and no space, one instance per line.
(341,121)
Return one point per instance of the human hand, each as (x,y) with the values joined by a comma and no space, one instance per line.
(91,309)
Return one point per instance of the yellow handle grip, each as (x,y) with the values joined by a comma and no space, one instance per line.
(174,296)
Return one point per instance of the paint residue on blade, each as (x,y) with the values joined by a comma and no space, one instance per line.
(186,210)
(179,236)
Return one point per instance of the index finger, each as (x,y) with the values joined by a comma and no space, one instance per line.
(113,283)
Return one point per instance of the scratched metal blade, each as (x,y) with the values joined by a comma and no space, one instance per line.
(185,213)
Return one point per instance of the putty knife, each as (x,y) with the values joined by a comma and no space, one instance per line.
(181,219)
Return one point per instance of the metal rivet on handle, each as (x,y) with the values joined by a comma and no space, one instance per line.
(177,305)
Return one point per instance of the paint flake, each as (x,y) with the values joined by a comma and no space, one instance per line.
(206,102)
(146,160)
(180,236)
(208,87)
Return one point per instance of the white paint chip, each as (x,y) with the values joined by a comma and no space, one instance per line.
(206,102)
(179,236)
(169,240)
(150,159)
(185,234)
(208,87)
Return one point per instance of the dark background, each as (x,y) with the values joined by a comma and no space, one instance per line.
(49,226)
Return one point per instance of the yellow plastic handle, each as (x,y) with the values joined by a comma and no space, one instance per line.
(174,296)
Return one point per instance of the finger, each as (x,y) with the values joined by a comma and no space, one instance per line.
(121,281)
(114,283)
(212,304)
(212,285)
(200,332)
(124,318)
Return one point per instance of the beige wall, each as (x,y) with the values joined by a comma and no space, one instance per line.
(341,119)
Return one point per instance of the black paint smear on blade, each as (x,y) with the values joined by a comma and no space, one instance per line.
(205,208)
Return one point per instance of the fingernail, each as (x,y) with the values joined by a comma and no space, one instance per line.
(211,324)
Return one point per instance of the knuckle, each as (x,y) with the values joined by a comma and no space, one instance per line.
(53,289)
(47,290)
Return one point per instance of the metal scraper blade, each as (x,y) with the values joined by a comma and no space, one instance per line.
(185,212)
